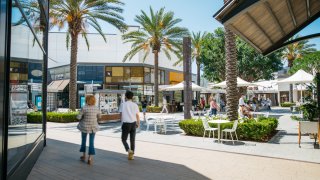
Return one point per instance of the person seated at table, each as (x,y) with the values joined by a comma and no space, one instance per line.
(245,111)
(244,108)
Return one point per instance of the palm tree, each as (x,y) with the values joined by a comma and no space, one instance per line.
(297,50)
(231,74)
(197,41)
(79,15)
(158,33)
(294,51)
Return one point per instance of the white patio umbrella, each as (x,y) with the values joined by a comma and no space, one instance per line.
(240,83)
(300,77)
(180,87)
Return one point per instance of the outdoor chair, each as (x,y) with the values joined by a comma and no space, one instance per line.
(233,130)
(171,120)
(208,128)
(193,116)
(150,121)
(162,124)
(266,115)
(307,127)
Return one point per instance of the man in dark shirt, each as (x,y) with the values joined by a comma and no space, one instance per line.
(144,104)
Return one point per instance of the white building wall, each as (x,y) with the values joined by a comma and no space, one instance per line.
(22,38)
(101,52)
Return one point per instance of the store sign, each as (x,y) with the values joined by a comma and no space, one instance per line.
(36,73)
(18,88)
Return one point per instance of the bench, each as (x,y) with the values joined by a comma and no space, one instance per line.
(114,117)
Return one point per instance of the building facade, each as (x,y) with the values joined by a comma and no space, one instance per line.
(23,72)
(102,64)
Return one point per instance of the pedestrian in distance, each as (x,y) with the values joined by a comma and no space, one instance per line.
(88,124)
(144,104)
(129,112)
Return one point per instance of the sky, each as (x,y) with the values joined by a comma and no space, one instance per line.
(196,15)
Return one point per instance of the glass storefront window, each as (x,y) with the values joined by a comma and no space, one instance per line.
(147,75)
(25,88)
(117,71)
(127,74)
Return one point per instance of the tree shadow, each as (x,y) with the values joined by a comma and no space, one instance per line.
(60,160)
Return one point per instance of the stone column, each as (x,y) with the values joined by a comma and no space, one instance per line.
(187,77)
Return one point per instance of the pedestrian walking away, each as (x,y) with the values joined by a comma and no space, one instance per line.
(130,121)
(144,104)
(88,124)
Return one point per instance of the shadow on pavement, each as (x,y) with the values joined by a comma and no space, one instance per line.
(60,160)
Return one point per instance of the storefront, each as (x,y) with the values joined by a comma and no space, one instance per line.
(138,78)
(23,47)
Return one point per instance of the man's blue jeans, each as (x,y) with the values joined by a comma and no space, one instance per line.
(91,143)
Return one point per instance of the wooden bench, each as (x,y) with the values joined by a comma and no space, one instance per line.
(114,117)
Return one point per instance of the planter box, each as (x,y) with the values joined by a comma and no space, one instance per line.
(110,118)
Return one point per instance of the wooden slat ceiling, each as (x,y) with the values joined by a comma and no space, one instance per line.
(266,24)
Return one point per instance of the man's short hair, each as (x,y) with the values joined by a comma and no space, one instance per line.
(129,95)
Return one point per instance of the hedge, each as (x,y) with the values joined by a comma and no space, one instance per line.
(152,109)
(287,104)
(260,130)
(36,117)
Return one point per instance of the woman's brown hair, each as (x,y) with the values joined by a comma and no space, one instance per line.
(90,100)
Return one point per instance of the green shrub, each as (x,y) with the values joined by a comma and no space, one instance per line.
(259,130)
(36,117)
(309,110)
(287,104)
(154,109)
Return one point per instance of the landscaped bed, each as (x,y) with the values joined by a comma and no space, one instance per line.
(261,130)
(36,117)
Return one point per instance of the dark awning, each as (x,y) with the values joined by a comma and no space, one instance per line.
(267,24)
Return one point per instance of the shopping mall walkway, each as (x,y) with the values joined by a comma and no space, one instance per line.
(60,160)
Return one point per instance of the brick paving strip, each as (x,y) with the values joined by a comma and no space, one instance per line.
(60,160)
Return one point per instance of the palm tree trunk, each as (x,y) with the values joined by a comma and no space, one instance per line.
(73,73)
(198,71)
(231,75)
(198,76)
(290,64)
(156,78)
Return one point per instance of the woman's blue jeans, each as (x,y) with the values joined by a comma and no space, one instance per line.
(91,143)
(213,112)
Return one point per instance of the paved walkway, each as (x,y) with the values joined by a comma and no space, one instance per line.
(176,156)
(59,160)
(283,145)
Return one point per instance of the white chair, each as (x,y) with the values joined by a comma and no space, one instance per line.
(192,115)
(170,120)
(208,128)
(267,115)
(150,121)
(161,123)
(233,130)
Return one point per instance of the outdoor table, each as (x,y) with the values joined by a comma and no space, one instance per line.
(220,121)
